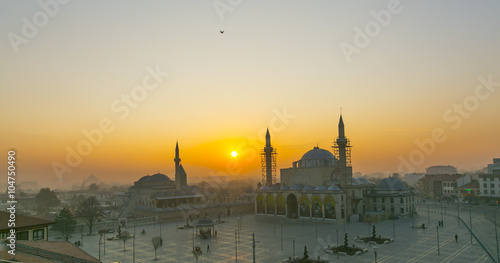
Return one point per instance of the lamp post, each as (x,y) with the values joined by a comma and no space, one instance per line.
(470,222)
(133,242)
(375,252)
(253,246)
(293,253)
(496,232)
(236,244)
(100,239)
(337,228)
(437,229)
(104,243)
(281,227)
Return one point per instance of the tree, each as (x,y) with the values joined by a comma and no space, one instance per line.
(374,233)
(65,224)
(156,243)
(93,187)
(306,256)
(90,211)
(126,236)
(45,199)
(346,241)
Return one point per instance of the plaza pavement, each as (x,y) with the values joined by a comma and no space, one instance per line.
(416,245)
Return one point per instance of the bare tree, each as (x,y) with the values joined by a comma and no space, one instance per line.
(156,243)
(90,210)
(125,236)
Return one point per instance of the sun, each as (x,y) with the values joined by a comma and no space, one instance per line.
(234,153)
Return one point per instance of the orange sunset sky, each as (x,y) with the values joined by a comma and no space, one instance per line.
(424,70)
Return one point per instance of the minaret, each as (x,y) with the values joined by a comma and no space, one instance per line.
(343,151)
(177,161)
(268,162)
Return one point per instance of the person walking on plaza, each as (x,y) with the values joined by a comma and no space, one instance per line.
(208,248)
(456,238)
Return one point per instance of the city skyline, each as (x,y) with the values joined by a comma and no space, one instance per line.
(413,79)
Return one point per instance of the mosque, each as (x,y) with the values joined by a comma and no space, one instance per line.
(159,198)
(320,186)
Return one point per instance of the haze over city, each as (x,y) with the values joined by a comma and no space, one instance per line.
(278,65)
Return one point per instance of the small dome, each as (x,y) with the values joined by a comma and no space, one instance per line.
(275,187)
(308,188)
(297,187)
(390,184)
(284,187)
(320,188)
(355,181)
(333,188)
(265,188)
(363,180)
(155,178)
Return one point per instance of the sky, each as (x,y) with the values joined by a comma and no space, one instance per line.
(108,87)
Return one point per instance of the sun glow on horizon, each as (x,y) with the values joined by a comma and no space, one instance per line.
(234,153)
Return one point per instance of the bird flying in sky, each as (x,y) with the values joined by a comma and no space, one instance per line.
(221,31)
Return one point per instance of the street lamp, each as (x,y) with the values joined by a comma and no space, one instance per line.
(375,251)
(470,220)
(281,226)
(293,239)
(437,229)
(236,244)
(253,246)
(496,233)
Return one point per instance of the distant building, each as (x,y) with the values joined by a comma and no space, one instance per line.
(441,169)
(489,185)
(470,191)
(392,196)
(412,179)
(494,166)
(27,227)
(441,185)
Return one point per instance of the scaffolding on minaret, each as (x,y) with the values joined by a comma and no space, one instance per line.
(268,164)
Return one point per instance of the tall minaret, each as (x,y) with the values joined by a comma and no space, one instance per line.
(343,147)
(177,161)
(268,151)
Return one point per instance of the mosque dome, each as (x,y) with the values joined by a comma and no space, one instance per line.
(333,188)
(317,157)
(320,188)
(317,153)
(390,184)
(155,178)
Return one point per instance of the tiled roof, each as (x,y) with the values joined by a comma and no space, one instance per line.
(59,251)
(22,221)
